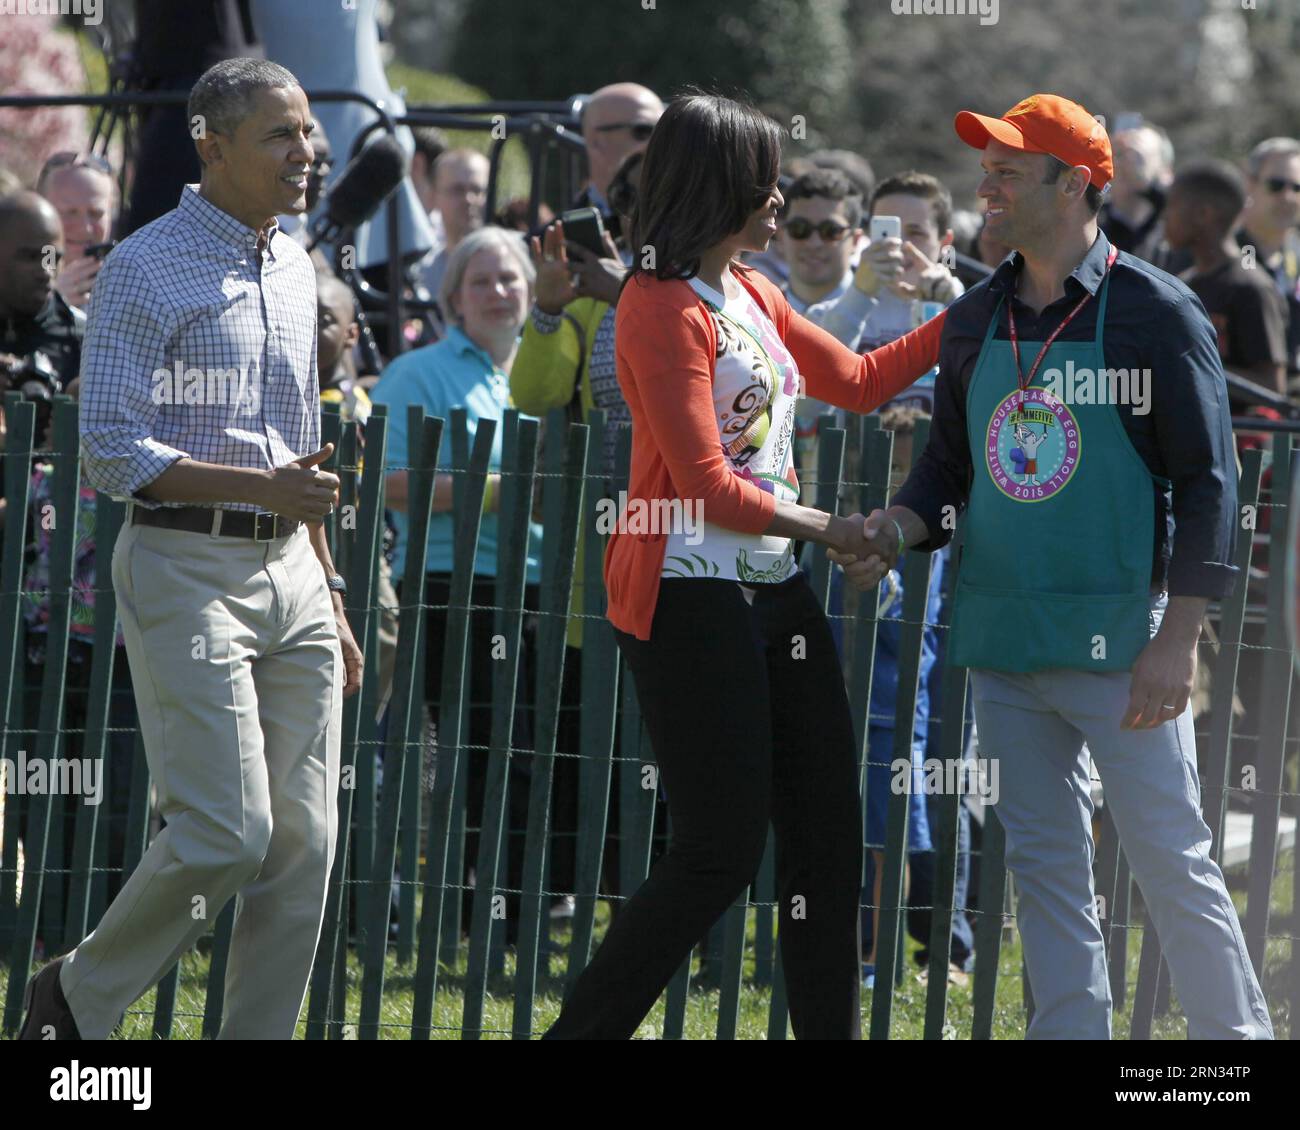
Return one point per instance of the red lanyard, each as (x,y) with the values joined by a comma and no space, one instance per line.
(1023,381)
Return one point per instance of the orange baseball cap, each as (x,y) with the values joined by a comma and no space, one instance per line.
(1045,123)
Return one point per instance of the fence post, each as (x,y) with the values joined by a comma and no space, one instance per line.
(424,436)
(1279,678)
(1231,618)
(675,999)
(598,724)
(952,747)
(830,468)
(557,592)
(890,944)
(20,415)
(519,459)
(988,929)
(108,522)
(65,493)
(468,511)
(358,563)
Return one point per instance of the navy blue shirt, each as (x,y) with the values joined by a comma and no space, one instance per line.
(1153,322)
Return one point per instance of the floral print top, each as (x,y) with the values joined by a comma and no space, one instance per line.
(36,584)
(756,385)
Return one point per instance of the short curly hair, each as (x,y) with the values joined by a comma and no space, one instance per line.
(829,184)
(222,97)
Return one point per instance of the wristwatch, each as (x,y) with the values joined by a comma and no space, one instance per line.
(337,584)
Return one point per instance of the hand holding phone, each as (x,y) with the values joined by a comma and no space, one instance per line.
(584,227)
(885,227)
(881,263)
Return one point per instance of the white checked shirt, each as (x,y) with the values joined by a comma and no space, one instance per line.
(186,297)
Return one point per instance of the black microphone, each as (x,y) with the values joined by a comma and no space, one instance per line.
(369,179)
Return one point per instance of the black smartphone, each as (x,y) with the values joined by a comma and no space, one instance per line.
(584,227)
(99,250)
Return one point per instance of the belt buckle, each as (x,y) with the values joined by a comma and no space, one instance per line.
(258,526)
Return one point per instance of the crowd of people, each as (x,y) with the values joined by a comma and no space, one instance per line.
(840,321)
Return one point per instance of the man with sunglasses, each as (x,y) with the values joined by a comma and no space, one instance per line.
(1270,221)
(863,297)
(820,239)
(84,193)
(616,121)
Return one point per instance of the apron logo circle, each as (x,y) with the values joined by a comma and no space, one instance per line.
(1031,454)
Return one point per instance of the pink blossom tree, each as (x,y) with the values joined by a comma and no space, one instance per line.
(37,57)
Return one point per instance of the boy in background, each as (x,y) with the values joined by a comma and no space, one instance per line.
(1248,314)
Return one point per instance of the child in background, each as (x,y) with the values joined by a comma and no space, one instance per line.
(337,333)
(1248,314)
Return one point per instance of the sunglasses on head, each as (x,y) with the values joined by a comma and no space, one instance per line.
(829,230)
(641,131)
(1277,184)
(68,159)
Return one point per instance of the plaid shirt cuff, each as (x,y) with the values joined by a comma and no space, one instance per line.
(124,478)
(545,323)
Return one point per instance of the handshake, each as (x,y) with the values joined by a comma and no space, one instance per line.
(866,548)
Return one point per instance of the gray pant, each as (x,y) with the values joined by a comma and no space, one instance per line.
(1037,724)
(238,678)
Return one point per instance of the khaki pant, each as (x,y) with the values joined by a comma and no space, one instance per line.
(238,679)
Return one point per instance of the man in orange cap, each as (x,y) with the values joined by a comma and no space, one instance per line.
(1076,609)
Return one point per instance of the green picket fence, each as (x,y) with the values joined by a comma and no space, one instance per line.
(403,812)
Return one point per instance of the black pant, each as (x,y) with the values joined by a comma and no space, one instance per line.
(749,720)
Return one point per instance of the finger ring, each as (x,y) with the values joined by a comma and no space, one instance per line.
(1169,705)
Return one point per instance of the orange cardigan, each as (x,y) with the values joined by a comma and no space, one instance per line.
(664,355)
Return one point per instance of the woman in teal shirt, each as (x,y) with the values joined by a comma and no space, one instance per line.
(487,291)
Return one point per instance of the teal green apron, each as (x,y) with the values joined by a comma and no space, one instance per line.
(1056,570)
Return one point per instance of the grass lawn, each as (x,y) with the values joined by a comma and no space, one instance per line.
(702,1004)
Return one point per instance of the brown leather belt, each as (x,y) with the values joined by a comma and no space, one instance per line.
(261,525)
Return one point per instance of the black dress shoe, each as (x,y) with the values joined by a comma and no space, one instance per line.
(47,1007)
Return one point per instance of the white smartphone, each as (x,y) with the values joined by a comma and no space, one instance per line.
(885,227)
